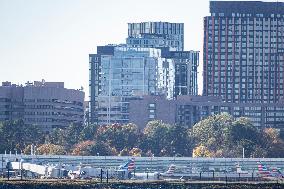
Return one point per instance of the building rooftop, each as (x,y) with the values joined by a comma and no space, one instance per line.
(41,83)
(247,7)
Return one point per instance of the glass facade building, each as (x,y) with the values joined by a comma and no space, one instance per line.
(186,63)
(244,51)
(119,73)
(156,34)
(151,62)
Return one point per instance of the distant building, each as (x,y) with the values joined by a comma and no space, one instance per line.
(46,104)
(186,64)
(86,112)
(152,62)
(156,34)
(244,51)
(188,110)
(119,73)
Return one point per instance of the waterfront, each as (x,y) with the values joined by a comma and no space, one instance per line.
(184,164)
(80,184)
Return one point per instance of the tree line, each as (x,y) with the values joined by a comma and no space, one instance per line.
(216,136)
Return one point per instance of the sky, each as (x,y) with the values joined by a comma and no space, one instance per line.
(52,39)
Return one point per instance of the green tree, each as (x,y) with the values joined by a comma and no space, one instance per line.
(88,132)
(72,134)
(57,136)
(243,128)
(243,135)
(66,137)
(156,138)
(119,136)
(15,135)
(212,132)
(180,142)
(224,137)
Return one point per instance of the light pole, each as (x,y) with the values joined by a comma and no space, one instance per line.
(2,166)
(21,162)
(174,156)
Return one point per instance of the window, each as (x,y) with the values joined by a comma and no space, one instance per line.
(152,105)
(151,116)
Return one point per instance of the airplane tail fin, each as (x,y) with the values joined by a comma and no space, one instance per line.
(262,168)
(129,165)
(239,168)
(171,169)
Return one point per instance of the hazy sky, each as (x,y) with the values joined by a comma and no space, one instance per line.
(51,39)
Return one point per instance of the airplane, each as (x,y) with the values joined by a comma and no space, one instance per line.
(88,172)
(240,170)
(85,172)
(155,175)
(76,174)
(124,171)
(265,173)
(129,165)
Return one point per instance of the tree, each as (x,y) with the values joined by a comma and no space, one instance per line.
(66,137)
(82,148)
(119,136)
(27,149)
(72,134)
(57,136)
(15,135)
(241,129)
(156,137)
(274,143)
(212,132)
(201,151)
(180,141)
(124,152)
(135,152)
(51,149)
(224,137)
(88,132)
(92,148)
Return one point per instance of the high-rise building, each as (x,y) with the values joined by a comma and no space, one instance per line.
(151,62)
(46,104)
(244,51)
(186,63)
(119,73)
(156,34)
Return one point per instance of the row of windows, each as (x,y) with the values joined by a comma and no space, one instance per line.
(246,18)
(53,107)
(54,100)
(48,120)
(5,100)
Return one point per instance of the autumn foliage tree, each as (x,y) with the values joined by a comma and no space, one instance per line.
(215,136)
(274,143)
(51,149)
(223,136)
(93,148)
